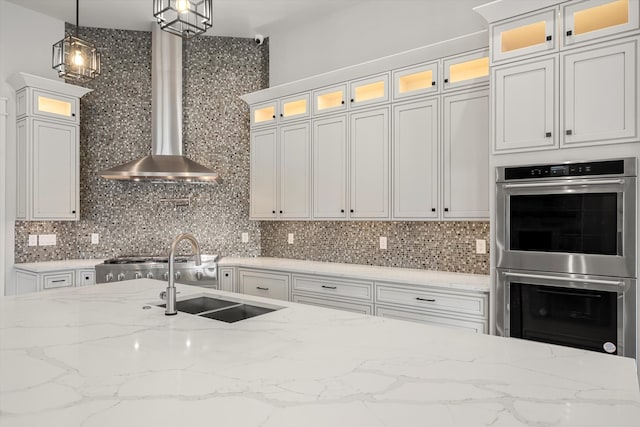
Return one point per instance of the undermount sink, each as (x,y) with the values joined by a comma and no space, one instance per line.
(219,309)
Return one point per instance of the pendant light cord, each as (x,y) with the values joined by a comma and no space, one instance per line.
(77,17)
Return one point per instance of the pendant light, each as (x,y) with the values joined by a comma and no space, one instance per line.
(185,18)
(74,58)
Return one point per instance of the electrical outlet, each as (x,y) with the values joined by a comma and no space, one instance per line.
(47,239)
(290,238)
(481,246)
(245,237)
(383,242)
(33,240)
(95,238)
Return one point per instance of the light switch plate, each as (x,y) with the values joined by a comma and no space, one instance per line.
(481,246)
(245,237)
(383,242)
(95,238)
(47,239)
(33,240)
(290,238)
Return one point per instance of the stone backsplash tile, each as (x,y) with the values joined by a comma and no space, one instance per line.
(116,127)
(443,246)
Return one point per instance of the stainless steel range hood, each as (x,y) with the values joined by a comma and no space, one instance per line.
(166,163)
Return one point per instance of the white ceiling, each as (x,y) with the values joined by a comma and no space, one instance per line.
(234,18)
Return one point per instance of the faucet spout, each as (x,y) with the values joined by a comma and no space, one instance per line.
(171,285)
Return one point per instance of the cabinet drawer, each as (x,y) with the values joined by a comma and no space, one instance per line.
(424,298)
(262,284)
(429,318)
(331,303)
(59,279)
(336,287)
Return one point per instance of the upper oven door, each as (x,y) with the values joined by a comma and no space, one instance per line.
(581,226)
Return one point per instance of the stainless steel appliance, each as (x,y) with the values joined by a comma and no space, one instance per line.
(571,218)
(566,243)
(152,267)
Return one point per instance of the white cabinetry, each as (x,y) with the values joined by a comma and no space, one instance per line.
(227,279)
(350,295)
(264,173)
(263,284)
(529,35)
(587,20)
(47,148)
(330,167)
(28,280)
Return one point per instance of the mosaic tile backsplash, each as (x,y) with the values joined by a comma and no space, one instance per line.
(443,246)
(130,218)
(116,127)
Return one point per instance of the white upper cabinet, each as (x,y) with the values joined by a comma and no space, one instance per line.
(464,71)
(264,168)
(295,171)
(466,161)
(415,160)
(524,110)
(415,81)
(369,91)
(591,19)
(369,161)
(599,103)
(45,104)
(533,34)
(330,100)
(294,107)
(330,167)
(264,114)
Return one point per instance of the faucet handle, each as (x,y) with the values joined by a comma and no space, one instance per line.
(163,295)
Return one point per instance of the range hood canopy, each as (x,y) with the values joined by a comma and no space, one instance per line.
(166,163)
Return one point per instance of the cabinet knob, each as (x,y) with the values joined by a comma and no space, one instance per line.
(433,209)
(281,115)
(433,83)
(446,80)
(280,211)
(273,211)
(274,116)
(73,114)
(549,38)
(226,274)
(547,135)
(341,210)
(569,132)
(73,212)
(569,33)
(342,102)
(351,99)
(446,209)
(351,210)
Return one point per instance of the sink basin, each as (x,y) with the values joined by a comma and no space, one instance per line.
(219,309)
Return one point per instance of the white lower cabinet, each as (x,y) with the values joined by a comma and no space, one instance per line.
(86,277)
(227,279)
(419,316)
(28,280)
(333,303)
(342,294)
(263,284)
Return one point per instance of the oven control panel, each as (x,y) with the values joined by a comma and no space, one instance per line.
(610,167)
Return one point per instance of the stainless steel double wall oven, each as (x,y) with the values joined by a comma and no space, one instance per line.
(566,243)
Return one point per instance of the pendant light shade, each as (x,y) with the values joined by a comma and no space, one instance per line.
(74,58)
(185,18)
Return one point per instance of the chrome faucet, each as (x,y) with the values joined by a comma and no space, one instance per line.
(171,286)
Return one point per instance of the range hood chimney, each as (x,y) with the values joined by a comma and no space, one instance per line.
(166,162)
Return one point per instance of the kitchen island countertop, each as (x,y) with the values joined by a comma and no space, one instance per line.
(92,356)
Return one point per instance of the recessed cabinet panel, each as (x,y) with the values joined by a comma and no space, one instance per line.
(532,34)
(415,160)
(590,19)
(263,114)
(295,107)
(54,170)
(295,171)
(22,168)
(369,91)
(330,100)
(466,70)
(330,167)
(264,165)
(369,182)
(414,81)
(600,113)
(50,105)
(466,161)
(524,106)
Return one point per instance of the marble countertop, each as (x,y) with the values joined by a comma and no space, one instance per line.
(67,264)
(93,357)
(463,281)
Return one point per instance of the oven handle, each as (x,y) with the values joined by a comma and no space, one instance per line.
(564,183)
(565,279)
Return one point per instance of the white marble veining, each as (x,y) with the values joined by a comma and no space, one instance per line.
(67,264)
(443,279)
(93,357)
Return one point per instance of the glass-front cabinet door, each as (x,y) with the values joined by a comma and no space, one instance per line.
(263,114)
(368,91)
(49,105)
(590,19)
(532,34)
(418,80)
(466,70)
(330,99)
(294,107)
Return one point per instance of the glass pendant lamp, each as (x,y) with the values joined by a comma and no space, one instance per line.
(185,18)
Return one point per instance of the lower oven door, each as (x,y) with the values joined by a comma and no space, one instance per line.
(588,312)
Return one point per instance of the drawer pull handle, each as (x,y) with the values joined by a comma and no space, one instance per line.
(329,287)
(426,299)
(261,288)
(59,281)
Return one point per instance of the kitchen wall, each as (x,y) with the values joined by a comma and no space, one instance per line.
(364,32)
(116,127)
(443,246)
